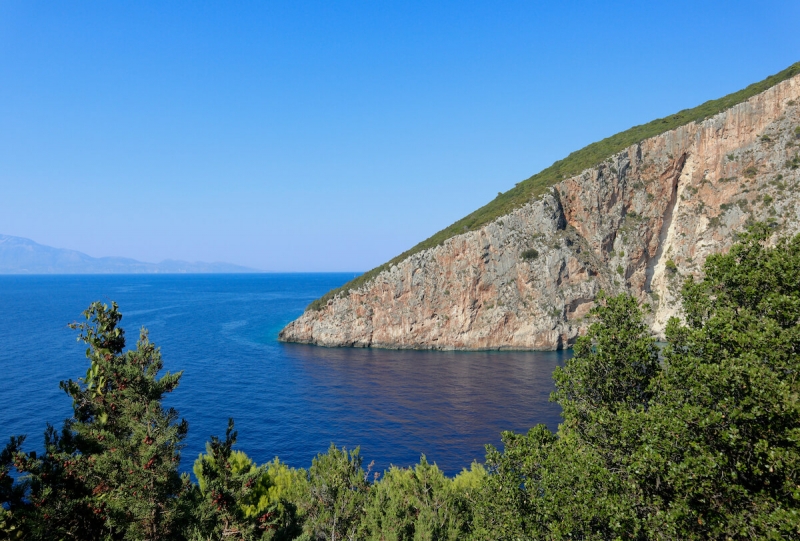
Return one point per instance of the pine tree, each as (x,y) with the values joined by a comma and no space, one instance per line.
(112,471)
(230,485)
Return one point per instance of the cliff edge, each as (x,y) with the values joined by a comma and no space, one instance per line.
(640,222)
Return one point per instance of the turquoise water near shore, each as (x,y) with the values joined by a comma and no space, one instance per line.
(288,400)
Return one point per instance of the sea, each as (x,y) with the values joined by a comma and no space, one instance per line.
(287,400)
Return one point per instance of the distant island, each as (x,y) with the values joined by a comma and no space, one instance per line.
(23,256)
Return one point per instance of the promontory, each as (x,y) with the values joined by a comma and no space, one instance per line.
(637,212)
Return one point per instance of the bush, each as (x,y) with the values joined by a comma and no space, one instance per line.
(421,503)
(335,497)
(529,255)
(241,499)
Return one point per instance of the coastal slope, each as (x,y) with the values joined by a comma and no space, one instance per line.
(640,221)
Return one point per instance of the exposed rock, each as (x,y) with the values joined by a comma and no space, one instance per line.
(639,222)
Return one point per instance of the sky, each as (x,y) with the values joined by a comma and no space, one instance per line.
(331,136)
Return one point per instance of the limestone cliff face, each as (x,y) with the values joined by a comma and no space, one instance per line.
(640,222)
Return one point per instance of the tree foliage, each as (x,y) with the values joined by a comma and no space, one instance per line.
(239,500)
(335,495)
(112,470)
(703,444)
(695,439)
(728,444)
(421,503)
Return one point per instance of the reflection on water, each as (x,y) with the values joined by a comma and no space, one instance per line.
(288,400)
(447,405)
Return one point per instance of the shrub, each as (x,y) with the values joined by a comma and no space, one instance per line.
(530,254)
(421,503)
(335,496)
(671,266)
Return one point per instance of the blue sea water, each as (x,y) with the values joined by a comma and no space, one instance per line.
(287,400)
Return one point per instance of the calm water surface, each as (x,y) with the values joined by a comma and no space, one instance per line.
(288,400)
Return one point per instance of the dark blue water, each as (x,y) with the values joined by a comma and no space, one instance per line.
(288,400)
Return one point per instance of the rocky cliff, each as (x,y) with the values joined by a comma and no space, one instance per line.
(640,222)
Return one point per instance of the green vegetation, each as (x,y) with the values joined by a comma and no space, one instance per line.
(529,255)
(699,439)
(112,469)
(578,161)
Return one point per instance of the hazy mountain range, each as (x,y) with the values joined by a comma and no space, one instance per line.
(23,256)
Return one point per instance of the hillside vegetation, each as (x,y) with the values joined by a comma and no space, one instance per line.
(573,164)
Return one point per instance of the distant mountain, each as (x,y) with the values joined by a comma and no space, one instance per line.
(24,256)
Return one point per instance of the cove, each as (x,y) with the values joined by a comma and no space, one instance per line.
(288,400)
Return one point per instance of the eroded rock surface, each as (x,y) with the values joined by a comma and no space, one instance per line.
(640,222)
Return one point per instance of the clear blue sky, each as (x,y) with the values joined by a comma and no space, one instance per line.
(327,136)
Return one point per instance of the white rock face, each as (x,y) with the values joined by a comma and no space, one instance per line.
(640,222)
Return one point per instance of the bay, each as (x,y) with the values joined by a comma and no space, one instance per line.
(288,400)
